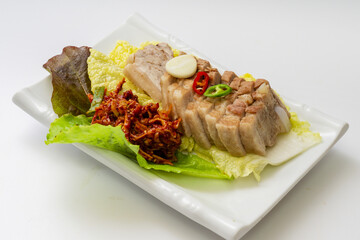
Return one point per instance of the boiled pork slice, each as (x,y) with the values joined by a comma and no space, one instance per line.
(261,124)
(165,82)
(172,88)
(204,107)
(229,124)
(182,96)
(212,118)
(146,67)
(228,131)
(196,125)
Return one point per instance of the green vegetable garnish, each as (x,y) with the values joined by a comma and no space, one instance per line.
(78,129)
(218,90)
(98,97)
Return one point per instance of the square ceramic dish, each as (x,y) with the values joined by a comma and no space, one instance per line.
(229,208)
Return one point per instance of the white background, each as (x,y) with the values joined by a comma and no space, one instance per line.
(309,50)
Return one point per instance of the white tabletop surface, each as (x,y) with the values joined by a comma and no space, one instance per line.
(310,52)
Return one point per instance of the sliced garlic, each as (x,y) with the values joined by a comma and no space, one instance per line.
(183,66)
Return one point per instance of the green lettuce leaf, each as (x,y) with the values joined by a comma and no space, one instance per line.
(78,129)
(70,81)
(97,99)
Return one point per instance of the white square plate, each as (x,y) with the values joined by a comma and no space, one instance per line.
(229,208)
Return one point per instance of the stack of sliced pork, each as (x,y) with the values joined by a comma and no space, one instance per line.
(247,120)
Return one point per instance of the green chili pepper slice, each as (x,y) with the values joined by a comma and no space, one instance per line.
(218,90)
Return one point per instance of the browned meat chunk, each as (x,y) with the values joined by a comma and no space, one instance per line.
(236,109)
(255,108)
(244,100)
(240,104)
(145,68)
(202,65)
(246,87)
(236,82)
(214,77)
(227,77)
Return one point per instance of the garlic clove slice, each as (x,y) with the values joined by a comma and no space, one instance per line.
(183,66)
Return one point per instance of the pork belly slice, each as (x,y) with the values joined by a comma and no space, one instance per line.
(170,94)
(196,126)
(228,131)
(262,83)
(261,124)
(182,96)
(265,120)
(272,101)
(270,121)
(250,136)
(204,107)
(212,118)
(229,123)
(218,112)
(146,67)
(165,81)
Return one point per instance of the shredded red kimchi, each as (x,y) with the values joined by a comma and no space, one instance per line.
(146,126)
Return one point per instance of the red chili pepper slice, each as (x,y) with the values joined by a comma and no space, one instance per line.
(201,82)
